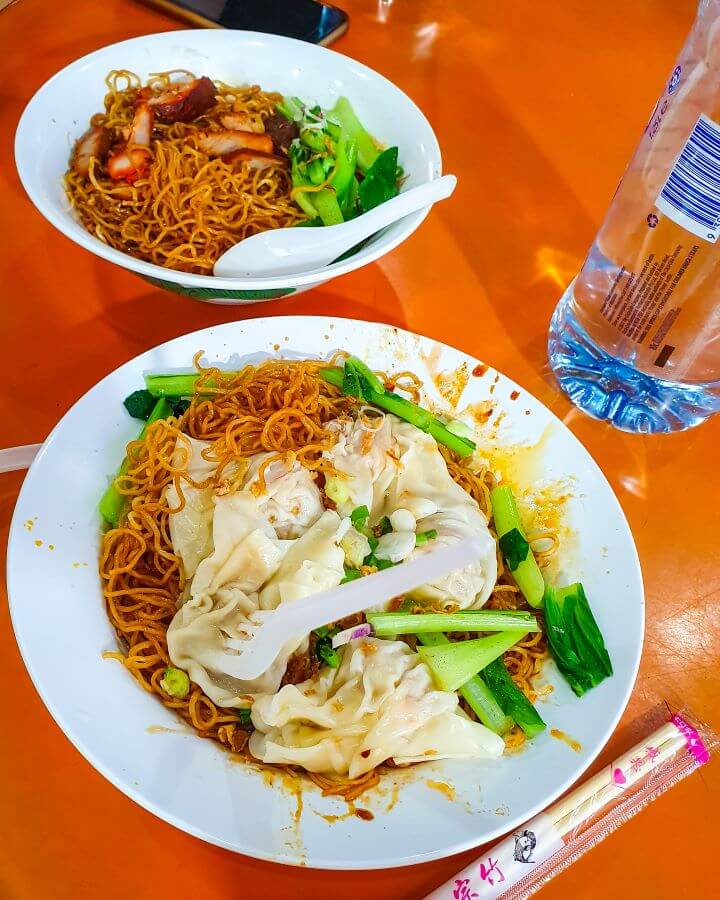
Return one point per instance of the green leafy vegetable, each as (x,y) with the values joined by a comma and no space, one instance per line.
(575,640)
(511,698)
(525,569)
(139,404)
(175,682)
(514,548)
(344,115)
(384,623)
(380,182)
(180,407)
(476,693)
(352,382)
(291,108)
(454,664)
(112,503)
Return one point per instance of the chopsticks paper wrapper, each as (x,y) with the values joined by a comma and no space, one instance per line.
(520,864)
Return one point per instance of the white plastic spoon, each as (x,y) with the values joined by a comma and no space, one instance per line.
(291,251)
(300,617)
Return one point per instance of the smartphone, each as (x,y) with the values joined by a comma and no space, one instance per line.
(306,20)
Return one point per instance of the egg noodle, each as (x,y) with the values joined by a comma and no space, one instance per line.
(189,208)
(280,407)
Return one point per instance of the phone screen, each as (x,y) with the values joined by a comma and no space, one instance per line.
(306,20)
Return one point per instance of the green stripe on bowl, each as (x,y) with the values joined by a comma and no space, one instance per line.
(216,293)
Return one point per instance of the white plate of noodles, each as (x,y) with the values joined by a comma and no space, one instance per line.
(353,756)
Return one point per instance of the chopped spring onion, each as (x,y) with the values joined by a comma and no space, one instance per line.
(514,544)
(454,664)
(424,536)
(575,640)
(175,682)
(384,623)
(244,716)
(359,517)
(351,634)
(351,575)
(512,699)
(112,503)
(324,649)
(351,381)
(477,694)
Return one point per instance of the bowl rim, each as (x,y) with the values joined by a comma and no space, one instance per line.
(187,279)
(125,784)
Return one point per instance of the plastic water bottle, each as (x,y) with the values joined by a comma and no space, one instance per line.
(635,339)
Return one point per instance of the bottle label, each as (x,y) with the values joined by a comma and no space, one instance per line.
(691,194)
(638,303)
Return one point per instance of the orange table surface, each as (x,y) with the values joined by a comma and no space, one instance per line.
(537,107)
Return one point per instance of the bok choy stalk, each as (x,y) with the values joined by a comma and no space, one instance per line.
(511,698)
(514,546)
(575,640)
(454,664)
(384,623)
(113,502)
(476,693)
(355,379)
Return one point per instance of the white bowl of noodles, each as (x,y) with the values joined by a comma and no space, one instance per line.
(60,111)
(415,813)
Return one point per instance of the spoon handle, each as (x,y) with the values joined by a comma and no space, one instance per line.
(302,616)
(13,459)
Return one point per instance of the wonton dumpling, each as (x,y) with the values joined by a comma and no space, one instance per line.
(191,527)
(362,456)
(379,704)
(205,636)
(291,502)
(313,563)
(235,518)
(423,476)
(203,639)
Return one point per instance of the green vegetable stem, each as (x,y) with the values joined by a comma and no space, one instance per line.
(511,698)
(112,503)
(476,693)
(352,379)
(515,547)
(385,623)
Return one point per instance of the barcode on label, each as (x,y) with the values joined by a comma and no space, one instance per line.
(691,195)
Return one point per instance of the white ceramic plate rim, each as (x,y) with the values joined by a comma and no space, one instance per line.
(124,784)
(187,279)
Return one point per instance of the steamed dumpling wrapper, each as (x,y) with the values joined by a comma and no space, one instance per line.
(313,563)
(207,632)
(191,527)
(360,456)
(290,502)
(423,482)
(400,467)
(379,704)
